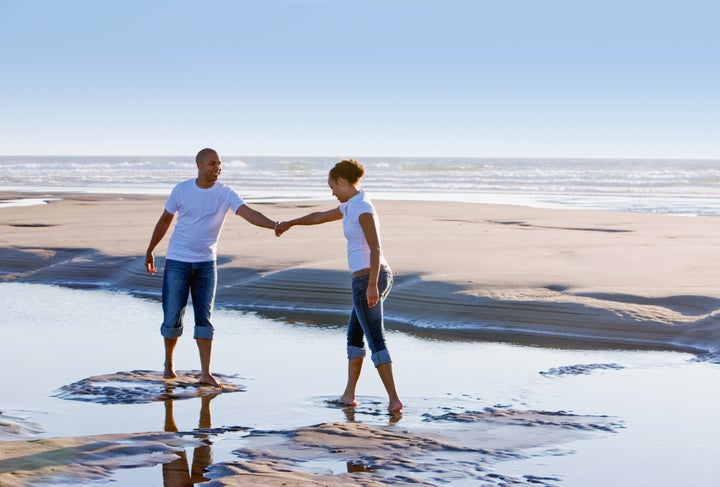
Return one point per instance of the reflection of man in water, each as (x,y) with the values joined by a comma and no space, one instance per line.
(177,473)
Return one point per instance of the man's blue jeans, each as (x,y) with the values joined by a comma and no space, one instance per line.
(368,322)
(180,280)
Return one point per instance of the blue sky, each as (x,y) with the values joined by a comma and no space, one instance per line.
(505,78)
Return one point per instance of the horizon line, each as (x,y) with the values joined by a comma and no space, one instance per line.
(624,158)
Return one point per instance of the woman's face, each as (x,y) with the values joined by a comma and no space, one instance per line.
(339,189)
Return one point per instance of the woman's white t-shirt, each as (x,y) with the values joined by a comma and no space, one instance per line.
(201,215)
(358,251)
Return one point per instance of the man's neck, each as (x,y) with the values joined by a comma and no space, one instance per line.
(204,184)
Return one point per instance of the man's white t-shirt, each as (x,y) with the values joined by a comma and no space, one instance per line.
(201,215)
(358,251)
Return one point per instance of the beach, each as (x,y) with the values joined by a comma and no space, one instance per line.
(520,336)
(598,278)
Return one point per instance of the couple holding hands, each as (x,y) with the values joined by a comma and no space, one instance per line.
(201,205)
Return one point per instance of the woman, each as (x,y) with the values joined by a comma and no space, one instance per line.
(371,276)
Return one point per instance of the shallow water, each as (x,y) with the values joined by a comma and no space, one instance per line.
(665,403)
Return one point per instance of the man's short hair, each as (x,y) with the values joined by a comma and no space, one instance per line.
(204,153)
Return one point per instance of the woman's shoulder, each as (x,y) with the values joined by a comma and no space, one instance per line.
(363,203)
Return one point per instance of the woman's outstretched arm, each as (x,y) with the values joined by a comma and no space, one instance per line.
(314,218)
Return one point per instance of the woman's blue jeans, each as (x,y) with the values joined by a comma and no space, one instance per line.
(368,322)
(180,280)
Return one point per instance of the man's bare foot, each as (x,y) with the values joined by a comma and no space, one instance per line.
(169,372)
(344,401)
(395,407)
(210,380)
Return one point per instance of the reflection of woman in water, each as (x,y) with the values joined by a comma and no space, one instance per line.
(371,276)
(177,473)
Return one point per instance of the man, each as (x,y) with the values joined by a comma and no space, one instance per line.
(190,265)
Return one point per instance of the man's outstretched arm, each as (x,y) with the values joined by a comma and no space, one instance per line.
(255,217)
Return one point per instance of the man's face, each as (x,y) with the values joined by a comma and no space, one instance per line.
(209,167)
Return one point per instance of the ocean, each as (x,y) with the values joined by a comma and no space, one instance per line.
(677,187)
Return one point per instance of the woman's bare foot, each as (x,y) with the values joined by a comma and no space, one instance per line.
(344,401)
(169,372)
(395,407)
(210,380)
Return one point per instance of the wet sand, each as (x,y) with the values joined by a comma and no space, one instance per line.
(578,279)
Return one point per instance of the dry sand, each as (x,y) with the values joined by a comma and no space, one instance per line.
(580,278)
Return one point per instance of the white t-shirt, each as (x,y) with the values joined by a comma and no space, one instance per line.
(201,215)
(358,251)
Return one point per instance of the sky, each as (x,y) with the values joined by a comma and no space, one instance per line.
(446,78)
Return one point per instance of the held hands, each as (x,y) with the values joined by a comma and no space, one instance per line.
(281,227)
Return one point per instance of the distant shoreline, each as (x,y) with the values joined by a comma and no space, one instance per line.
(652,186)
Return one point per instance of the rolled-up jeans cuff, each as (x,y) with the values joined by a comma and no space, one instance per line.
(168,332)
(205,332)
(355,352)
(381,357)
